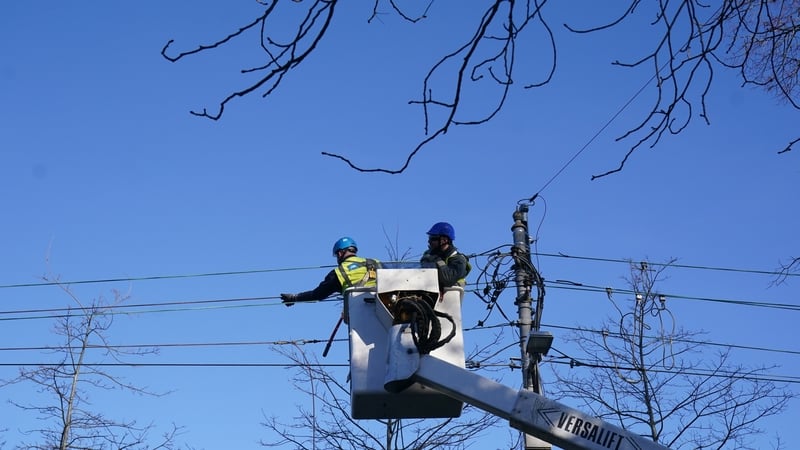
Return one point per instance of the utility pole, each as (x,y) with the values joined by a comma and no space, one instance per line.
(526,277)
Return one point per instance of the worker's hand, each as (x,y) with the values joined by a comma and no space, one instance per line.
(429,260)
(288,299)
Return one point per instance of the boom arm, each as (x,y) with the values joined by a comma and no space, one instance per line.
(525,410)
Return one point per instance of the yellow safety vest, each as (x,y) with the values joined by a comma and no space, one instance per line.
(355,271)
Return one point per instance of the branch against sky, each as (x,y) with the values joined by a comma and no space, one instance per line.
(757,38)
(788,269)
(470,85)
(765,46)
(646,374)
(281,54)
(66,417)
(328,424)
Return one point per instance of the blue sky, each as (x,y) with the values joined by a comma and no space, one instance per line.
(105,175)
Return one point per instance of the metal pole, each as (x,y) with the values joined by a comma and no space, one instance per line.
(521,252)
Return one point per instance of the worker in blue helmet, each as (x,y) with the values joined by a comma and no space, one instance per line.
(442,255)
(351,271)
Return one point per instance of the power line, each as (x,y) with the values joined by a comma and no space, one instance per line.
(217,304)
(598,132)
(687,341)
(178,344)
(681,266)
(570,285)
(186,307)
(210,304)
(224,303)
(198,364)
(159,277)
(789,379)
(289,269)
(318,341)
(142,305)
(618,335)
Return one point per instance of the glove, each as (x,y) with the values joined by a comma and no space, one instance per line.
(429,260)
(288,299)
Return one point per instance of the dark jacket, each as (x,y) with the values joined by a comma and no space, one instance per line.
(329,286)
(453,267)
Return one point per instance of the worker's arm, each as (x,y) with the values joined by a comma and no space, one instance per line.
(330,285)
(454,270)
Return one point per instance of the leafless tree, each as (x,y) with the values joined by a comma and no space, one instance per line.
(65,415)
(647,375)
(469,85)
(328,424)
(393,247)
(766,39)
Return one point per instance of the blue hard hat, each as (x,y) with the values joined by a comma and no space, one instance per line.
(344,243)
(442,229)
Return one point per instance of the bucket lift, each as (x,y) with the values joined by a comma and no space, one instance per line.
(370,320)
(397,373)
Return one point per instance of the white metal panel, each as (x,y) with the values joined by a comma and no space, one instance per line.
(390,280)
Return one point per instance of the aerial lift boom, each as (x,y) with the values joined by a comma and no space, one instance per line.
(525,410)
(395,375)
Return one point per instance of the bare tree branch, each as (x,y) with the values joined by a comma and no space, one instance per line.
(763,46)
(329,423)
(281,58)
(647,374)
(68,421)
(788,269)
(486,59)
(470,85)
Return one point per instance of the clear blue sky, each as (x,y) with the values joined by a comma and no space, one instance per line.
(104,174)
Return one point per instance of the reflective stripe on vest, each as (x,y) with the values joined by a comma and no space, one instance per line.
(352,272)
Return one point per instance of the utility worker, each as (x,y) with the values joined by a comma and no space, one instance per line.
(442,255)
(351,271)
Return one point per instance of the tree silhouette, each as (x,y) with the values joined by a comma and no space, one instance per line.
(647,375)
(66,417)
(328,424)
(691,41)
